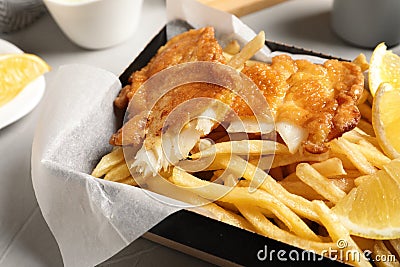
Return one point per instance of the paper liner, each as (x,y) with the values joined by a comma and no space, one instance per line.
(91,219)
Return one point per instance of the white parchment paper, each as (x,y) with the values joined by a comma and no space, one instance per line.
(93,219)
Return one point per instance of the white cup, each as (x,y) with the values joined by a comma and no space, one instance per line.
(367,23)
(96,24)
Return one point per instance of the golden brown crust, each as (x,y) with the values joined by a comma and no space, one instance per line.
(320,98)
(190,46)
(194,45)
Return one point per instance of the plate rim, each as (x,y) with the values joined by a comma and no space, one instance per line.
(26,100)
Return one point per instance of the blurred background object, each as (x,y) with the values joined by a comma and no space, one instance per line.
(17,14)
(240,7)
(96,24)
(366,23)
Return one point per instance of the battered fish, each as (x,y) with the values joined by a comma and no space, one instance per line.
(193,45)
(190,46)
(311,103)
(318,102)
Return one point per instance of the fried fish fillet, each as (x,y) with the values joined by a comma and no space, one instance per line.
(191,46)
(318,100)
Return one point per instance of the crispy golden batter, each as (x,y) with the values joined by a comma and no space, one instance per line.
(320,98)
(190,46)
(194,45)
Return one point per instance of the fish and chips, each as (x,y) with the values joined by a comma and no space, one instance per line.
(285,188)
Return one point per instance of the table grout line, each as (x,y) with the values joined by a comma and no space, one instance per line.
(18,233)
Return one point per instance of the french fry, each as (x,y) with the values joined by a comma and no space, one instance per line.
(347,164)
(361,179)
(233,208)
(283,160)
(108,162)
(372,154)
(167,188)
(222,214)
(279,223)
(353,154)
(351,174)
(345,183)
(267,213)
(267,228)
(382,255)
(248,51)
(224,177)
(366,127)
(330,167)
(244,147)
(339,234)
(228,217)
(301,189)
(227,56)
(354,135)
(298,187)
(357,134)
(396,245)
(230,180)
(366,112)
(118,173)
(128,180)
(232,47)
(319,183)
(362,62)
(364,97)
(264,162)
(240,167)
(228,206)
(241,195)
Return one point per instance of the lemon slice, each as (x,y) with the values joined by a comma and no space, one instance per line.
(384,67)
(16,72)
(386,119)
(371,209)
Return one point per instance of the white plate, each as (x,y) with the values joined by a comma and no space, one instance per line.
(26,100)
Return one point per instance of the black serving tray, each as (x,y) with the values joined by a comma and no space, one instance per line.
(206,238)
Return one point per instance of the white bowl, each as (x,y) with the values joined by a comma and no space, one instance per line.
(367,23)
(96,24)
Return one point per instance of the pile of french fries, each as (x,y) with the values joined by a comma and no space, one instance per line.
(294,193)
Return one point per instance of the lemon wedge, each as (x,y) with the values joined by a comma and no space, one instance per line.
(386,119)
(16,72)
(384,67)
(370,210)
